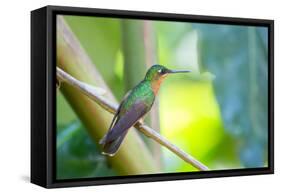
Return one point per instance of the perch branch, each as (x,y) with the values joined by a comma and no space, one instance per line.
(112,107)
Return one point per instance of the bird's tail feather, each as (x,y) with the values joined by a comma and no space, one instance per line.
(111,147)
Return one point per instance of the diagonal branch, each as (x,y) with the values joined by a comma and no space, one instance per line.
(112,107)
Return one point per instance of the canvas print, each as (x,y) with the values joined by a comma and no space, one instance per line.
(142,97)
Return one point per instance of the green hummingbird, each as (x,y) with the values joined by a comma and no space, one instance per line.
(136,103)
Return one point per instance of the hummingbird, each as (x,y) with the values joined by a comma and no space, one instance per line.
(136,103)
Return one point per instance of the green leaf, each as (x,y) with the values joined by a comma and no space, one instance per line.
(66,133)
(78,156)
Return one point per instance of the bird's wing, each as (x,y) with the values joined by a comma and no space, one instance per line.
(115,118)
(127,120)
(113,139)
(117,114)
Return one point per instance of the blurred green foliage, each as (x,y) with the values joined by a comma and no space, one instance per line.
(218,113)
(241,68)
(77,155)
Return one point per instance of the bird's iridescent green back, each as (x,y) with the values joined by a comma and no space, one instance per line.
(142,92)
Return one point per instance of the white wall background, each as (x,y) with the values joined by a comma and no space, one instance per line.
(15,95)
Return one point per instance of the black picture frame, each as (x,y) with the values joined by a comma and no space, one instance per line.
(43,98)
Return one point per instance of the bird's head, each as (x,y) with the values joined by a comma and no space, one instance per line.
(157,73)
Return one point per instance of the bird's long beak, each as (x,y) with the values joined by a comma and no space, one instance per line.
(179,71)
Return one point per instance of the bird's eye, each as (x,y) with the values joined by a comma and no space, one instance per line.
(160,71)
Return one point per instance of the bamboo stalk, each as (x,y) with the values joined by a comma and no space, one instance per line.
(133,49)
(112,107)
(150,49)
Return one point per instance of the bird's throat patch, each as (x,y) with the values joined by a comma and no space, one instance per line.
(155,85)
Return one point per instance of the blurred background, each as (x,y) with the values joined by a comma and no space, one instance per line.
(218,113)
